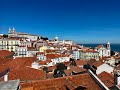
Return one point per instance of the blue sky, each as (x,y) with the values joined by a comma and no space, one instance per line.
(84,21)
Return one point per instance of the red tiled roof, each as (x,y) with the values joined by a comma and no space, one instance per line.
(5,60)
(5,53)
(92,51)
(40,52)
(15,38)
(31,48)
(66,63)
(50,50)
(17,63)
(80,62)
(50,75)
(92,61)
(51,68)
(20,69)
(52,56)
(27,73)
(71,82)
(77,69)
(98,63)
(99,46)
(107,79)
(74,69)
(67,72)
(44,62)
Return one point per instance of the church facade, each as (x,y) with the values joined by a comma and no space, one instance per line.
(104,51)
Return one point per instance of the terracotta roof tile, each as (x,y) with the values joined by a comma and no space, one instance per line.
(83,80)
(52,56)
(98,63)
(5,53)
(91,61)
(5,60)
(50,75)
(40,53)
(107,79)
(27,73)
(50,50)
(74,69)
(92,51)
(99,46)
(66,63)
(44,62)
(15,38)
(67,72)
(20,69)
(77,69)
(51,68)
(80,62)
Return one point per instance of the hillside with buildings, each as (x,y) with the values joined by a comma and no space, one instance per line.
(33,62)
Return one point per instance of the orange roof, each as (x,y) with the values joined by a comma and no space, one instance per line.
(74,69)
(17,63)
(80,62)
(15,38)
(98,63)
(77,69)
(50,75)
(51,56)
(92,61)
(66,63)
(5,53)
(50,50)
(67,72)
(92,51)
(51,68)
(27,73)
(107,79)
(20,69)
(44,62)
(71,82)
(100,46)
(5,60)
(40,52)
(31,48)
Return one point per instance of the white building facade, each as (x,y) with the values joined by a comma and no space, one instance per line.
(76,54)
(89,54)
(104,67)
(9,44)
(104,51)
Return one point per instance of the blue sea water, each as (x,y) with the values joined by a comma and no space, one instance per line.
(114,47)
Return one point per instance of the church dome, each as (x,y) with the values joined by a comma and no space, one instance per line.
(56,38)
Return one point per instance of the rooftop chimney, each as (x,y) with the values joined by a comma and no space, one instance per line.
(6,77)
(5,74)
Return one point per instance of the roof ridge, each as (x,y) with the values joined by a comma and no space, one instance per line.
(71,82)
